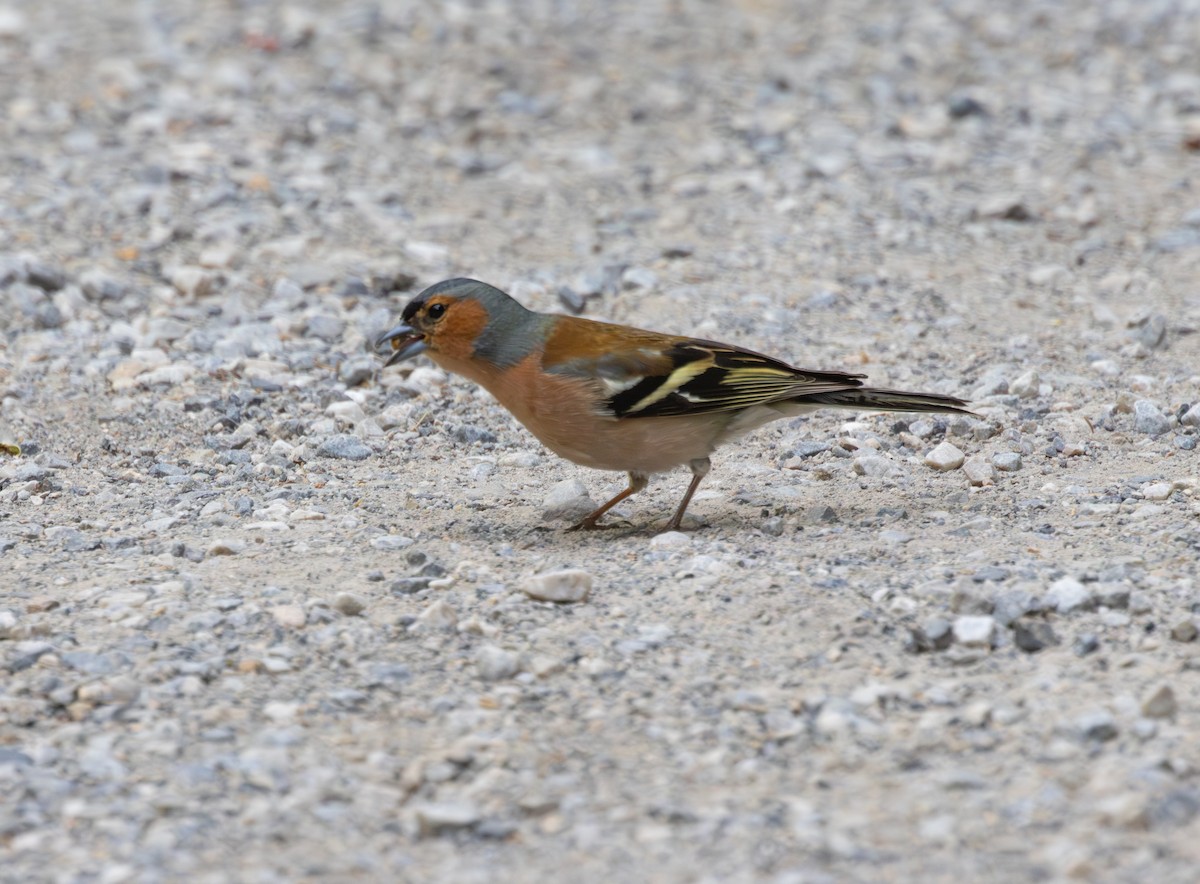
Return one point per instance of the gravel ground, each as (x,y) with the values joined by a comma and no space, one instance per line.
(270,614)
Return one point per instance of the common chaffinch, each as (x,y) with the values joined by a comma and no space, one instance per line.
(612,397)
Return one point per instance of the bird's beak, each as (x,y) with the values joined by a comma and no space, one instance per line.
(405,341)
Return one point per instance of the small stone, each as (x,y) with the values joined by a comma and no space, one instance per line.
(772,526)
(945,457)
(439,615)
(1011,604)
(194,282)
(1150,330)
(810,449)
(469,434)
(8,623)
(1006,461)
(1161,703)
(225,548)
(874,466)
(1140,602)
(47,277)
(345,447)
(571,299)
(961,106)
(1113,595)
(639,278)
(1046,274)
(671,540)
(1098,725)
(324,326)
(979,472)
(1005,207)
(289,616)
(357,370)
(349,604)
(1149,419)
(1184,631)
(391,542)
(87,662)
(1033,635)
(435,817)
(1087,643)
(567,500)
(1026,386)
(568,585)
(935,634)
(496,664)
(1191,417)
(1158,490)
(1067,594)
(974,631)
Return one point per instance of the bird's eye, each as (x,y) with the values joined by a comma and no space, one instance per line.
(435,311)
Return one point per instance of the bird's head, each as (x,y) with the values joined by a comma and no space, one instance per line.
(459,319)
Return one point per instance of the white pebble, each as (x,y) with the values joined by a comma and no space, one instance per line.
(495,664)
(974,631)
(945,457)
(1158,490)
(289,616)
(439,615)
(568,585)
(1026,386)
(671,540)
(1067,594)
(979,471)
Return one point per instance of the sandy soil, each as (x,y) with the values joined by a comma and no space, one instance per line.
(265,612)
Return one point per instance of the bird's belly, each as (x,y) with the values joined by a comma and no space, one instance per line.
(641,445)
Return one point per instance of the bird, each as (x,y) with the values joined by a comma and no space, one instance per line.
(617,398)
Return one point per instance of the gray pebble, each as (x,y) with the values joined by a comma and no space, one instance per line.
(349,604)
(1099,725)
(92,664)
(1085,644)
(1160,703)
(357,370)
(978,471)
(1149,419)
(495,664)
(1112,595)
(874,466)
(345,447)
(46,276)
(809,449)
(1033,635)
(1150,331)
(436,817)
(571,299)
(324,326)
(1014,603)
(639,278)
(1184,631)
(1027,385)
(1140,602)
(569,500)
(470,434)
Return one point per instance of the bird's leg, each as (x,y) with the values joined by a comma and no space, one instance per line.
(637,481)
(700,468)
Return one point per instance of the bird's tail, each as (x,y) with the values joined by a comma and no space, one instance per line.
(873,399)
